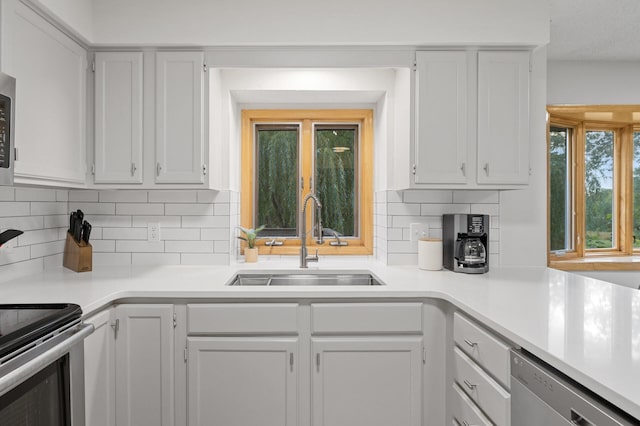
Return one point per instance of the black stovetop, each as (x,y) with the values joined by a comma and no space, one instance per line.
(22,324)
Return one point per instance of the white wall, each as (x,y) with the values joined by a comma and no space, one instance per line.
(77,15)
(331,22)
(592,83)
(523,213)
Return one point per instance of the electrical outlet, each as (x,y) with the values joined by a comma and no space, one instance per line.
(153,232)
(418,230)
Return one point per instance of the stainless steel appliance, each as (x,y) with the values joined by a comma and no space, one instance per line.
(465,243)
(540,395)
(7,127)
(42,365)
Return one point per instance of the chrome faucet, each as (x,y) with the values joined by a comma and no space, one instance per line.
(303,239)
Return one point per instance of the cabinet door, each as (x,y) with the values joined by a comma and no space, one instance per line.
(179,117)
(99,371)
(242,381)
(503,117)
(369,381)
(441,121)
(144,360)
(51,78)
(118,117)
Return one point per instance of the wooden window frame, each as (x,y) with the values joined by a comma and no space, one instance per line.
(361,245)
(623,126)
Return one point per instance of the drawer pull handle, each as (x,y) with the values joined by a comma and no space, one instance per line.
(469,384)
(470,343)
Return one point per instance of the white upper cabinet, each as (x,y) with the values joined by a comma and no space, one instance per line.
(180,117)
(118,117)
(51,78)
(503,117)
(441,120)
(472,120)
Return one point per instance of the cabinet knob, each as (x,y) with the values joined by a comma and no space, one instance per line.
(463,169)
(158,169)
(486,169)
(469,384)
(470,343)
(133,169)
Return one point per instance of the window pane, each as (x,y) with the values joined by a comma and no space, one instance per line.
(335,172)
(277,174)
(636,189)
(560,189)
(599,189)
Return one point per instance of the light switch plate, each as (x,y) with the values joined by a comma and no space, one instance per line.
(418,230)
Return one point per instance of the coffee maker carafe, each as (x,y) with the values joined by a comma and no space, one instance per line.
(465,239)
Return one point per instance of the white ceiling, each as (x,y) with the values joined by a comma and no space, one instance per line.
(607,30)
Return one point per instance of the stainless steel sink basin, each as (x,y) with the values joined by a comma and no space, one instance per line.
(306,279)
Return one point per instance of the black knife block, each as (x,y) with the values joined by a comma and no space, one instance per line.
(78,256)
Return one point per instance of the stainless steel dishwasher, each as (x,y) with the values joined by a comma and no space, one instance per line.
(542,396)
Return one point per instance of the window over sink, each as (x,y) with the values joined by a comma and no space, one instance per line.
(287,154)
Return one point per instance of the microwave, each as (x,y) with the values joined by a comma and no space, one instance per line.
(7,127)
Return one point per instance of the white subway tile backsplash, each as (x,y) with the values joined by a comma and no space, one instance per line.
(124,233)
(221,234)
(189,246)
(402,258)
(139,209)
(38,236)
(188,234)
(7,193)
(123,196)
(394,197)
(32,194)
(204,259)
(57,221)
(139,246)
(428,196)
(11,208)
(221,210)
(93,208)
(164,221)
(476,197)
(10,254)
(402,209)
(221,246)
(48,208)
(205,221)
(106,221)
(155,258)
(440,209)
(61,195)
(83,196)
(394,234)
(24,223)
(111,259)
(47,249)
(176,196)
(189,209)
(103,246)
(490,209)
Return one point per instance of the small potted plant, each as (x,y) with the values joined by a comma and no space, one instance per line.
(250,235)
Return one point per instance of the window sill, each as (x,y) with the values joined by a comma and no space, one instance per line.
(598,263)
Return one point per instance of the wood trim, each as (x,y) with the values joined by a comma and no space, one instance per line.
(357,246)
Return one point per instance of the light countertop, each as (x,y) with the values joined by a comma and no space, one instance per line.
(588,329)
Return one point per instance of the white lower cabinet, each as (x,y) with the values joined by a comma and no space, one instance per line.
(242,381)
(367,381)
(99,371)
(144,365)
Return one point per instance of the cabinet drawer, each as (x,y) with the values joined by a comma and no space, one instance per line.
(366,318)
(465,412)
(486,392)
(485,349)
(234,318)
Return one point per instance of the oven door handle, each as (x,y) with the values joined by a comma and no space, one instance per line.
(29,368)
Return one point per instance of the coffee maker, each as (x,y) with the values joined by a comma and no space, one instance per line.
(465,243)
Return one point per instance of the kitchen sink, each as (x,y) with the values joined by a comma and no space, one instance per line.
(305,279)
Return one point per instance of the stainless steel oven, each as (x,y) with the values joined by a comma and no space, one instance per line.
(42,365)
(7,127)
